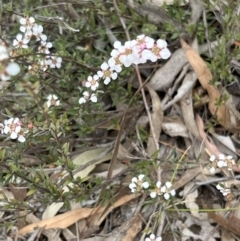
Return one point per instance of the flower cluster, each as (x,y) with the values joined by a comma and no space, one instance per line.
(224,189)
(7,67)
(152,237)
(31,30)
(137,51)
(221,162)
(13,127)
(138,185)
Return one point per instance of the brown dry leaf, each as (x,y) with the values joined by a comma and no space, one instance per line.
(186,177)
(157,118)
(186,104)
(65,220)
(232,224)
(226,235)
(19,193)
(210,147)
(128,231)
(205,76)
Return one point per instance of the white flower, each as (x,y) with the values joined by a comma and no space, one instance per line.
(145,42)
(168,191)
(87,96)
(52,100)
(106,73)
(13,127)
(152,237)
(224,189)
(44,47)
(20,42)
(138,184)
(157,190)
(37,32)
(43,64)
(221,163)
(54,61)
(114,66)
(92,82)
(27,23)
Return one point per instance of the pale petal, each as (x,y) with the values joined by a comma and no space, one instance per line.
(173,192)
(18,129)
(140,177)
(134,179)
(161,43)
(117,44)
(168,184)
(21,138)
(82,100)
(100,74)
(94,98)
(212,170)
(212,158)
(145,185)
(107,81)
(153,194)
(104,66)
(166,196)
(12,69)
(13,135)
(152,236)
(165,53)
(132,185)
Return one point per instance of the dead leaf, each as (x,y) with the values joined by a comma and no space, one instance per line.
(232,224)
(127,231)
(164,77)
(186,104)
(186,177)
(187,85)
(79,160)
(174,126)
(157,118)
(205,76)
(210,147)
(65,220)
